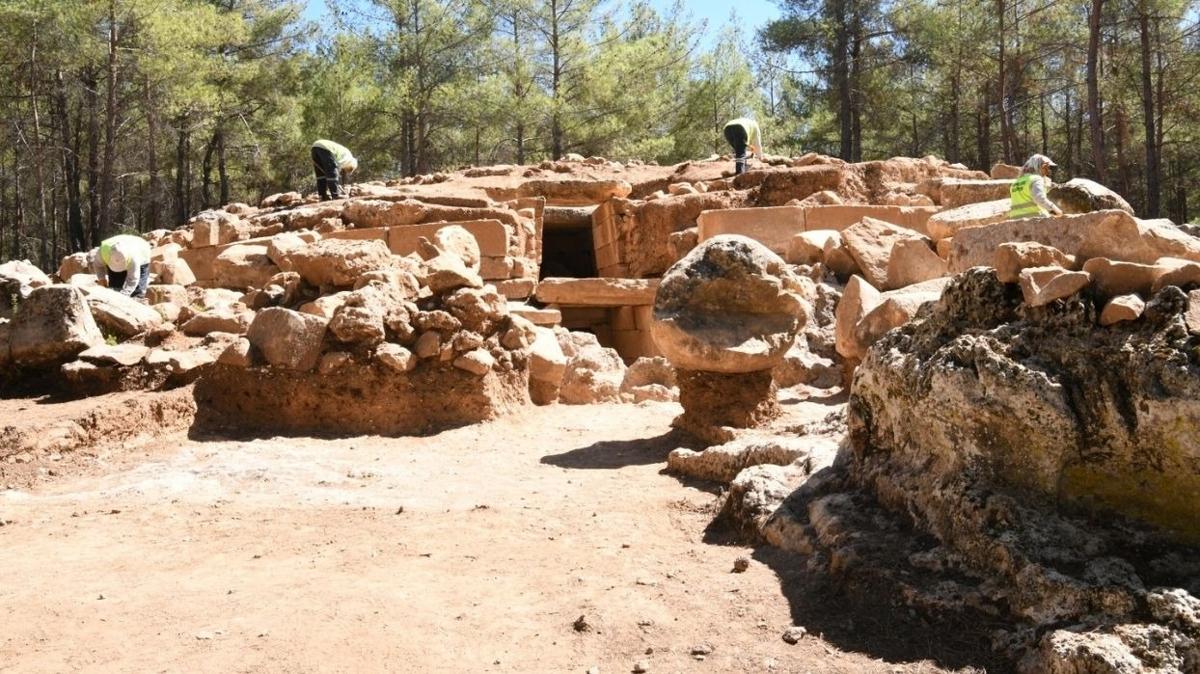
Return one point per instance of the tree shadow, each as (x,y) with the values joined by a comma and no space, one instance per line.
(614,454)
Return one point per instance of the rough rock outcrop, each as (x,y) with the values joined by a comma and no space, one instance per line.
(1054,461)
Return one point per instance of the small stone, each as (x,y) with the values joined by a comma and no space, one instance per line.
(741,564)
(641,666)
(794,634)
(581,624)
(1122,308)
(703,649)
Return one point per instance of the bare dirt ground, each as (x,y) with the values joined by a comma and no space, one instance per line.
(475,550)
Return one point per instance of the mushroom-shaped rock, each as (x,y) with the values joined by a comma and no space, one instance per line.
(730,306)
(725,315)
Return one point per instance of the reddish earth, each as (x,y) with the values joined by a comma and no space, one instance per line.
(470,551)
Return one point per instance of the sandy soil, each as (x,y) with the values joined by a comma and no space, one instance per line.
(475,550)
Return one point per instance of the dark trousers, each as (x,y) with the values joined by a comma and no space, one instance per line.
(116,280)
(326,170)
(738,138)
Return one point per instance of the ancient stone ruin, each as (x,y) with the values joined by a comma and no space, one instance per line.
(1013,403)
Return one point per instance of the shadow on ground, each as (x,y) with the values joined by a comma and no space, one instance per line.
(860,615)
(614,454)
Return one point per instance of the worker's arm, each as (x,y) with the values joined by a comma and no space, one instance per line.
(98,268)
(132,276)
(1038,188)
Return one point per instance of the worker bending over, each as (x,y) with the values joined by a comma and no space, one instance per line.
(1029,198)
(741,132)
(123,261)
(331,162)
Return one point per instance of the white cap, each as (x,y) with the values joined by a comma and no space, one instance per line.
(117,260)
(350,165)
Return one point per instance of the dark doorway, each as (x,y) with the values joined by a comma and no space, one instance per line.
(567,252)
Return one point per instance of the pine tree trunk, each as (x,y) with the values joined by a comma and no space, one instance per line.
(70,168)
(1153,188)
(222,170)
(1095,121)
(107,177)
(153,183)
(92,98)
(182,182)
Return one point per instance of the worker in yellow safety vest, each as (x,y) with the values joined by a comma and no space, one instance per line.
(331,162)
(123,262)
(1029,198)
(740,133)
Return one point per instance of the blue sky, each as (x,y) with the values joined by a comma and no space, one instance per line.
(752,14)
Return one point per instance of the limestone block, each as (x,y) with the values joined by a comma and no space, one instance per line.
(119,314)
(809,247)
(913,261)
(870,243)
(773,227)
(1122,308)
(288,339)
(243,266)
(947,223)
(1043,285)
(858,299)
(53,324)
(597,292)
(1011,258)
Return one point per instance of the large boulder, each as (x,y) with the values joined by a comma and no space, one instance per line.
(593,373)
(1112,234)
(730,306)
(339,263)
(18,278)
(1081,195)
(288,339)
(120,314)
(243,266)
(870,243)
(52,325)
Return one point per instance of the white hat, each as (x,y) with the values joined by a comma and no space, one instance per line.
(350,165)
(117,261)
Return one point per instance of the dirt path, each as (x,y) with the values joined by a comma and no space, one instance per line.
(471,551)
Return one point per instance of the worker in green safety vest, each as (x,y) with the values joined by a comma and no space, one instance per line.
(1029,198)
(123,262)
(741,133)
(331,162)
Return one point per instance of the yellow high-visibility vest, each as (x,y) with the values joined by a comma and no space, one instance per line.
(1023,205)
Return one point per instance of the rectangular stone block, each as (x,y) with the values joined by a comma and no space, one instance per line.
(205,233)
(516,289)
(369,234)
(597,292)
(772,226)
(839,217)
(492,236)
(547,316)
